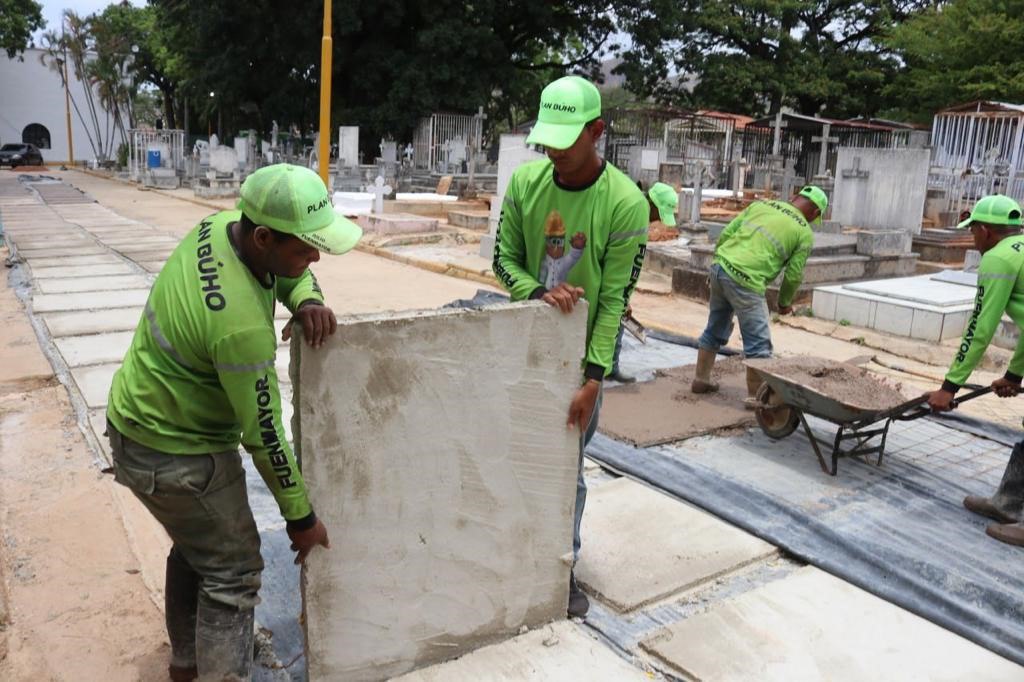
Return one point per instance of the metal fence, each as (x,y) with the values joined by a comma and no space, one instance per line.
(989,140)
(958,191)
(446,142)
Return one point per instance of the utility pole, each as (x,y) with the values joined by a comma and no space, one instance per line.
(326,49)
(67,102)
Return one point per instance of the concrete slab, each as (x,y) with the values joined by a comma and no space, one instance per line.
(165,247)
(813,626)
(56,285)
(398,223)
(640,545)
(447,479)
(95,349)
(71,261)
(150,255)
(560,652)
(79,323)
(93,383)
(98,425)
(121,268)
(924,289)
(152,266)
(97,300)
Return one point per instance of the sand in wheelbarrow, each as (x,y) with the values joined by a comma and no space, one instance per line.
(846,383)
(664,410)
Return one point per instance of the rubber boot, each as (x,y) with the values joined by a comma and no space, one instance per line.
(181,594)
(987,507)
(754,382)
(702,382)
(1010,533)
(578,602)
(224,642)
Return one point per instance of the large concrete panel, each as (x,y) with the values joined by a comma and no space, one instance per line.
(70,261)
(57,248)
(881,189)
(640,545)
(93,300)
(94,383)
(60,285)
(813,626)
(435,450)
(562,652)
(84,270)
(94,349)
(88,322)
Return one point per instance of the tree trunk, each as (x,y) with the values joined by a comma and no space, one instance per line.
(169,120)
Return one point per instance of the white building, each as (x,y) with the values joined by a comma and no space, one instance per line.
(32,109)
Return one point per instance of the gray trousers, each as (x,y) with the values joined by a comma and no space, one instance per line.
(581,483)
(202,503)
(1009,495)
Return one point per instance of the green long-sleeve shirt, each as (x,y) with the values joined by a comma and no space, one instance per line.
(593,237)
(762,240)
(199,376)
(1000,289)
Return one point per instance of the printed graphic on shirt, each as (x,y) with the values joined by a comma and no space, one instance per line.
(557,263)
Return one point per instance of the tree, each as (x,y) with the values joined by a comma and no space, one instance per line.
(19,19)
(817,56)
(957,52)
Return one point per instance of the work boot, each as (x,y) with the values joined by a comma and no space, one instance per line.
(578,602)
(1010,533)
(621,377)
(181,594)
(754,382)
(702,382)
(986,507)
(179,674)
(224,641)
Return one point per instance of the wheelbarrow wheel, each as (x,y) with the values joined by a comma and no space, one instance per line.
(775,418)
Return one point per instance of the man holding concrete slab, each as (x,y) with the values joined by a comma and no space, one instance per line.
(762,241)
(198,379)
(592,198)
(995,223)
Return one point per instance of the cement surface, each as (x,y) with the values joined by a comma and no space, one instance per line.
(94,349)
(813,626)
(121,268)
(88,322)
(443,467)
(152,266)
(96,300)
(640,545)
(560,652)
(923,289)
(70,261)
(59,285)
(665,410)
(94,383)
(57,248)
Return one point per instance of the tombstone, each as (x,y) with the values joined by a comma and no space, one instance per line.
(214,141)
(348,146)
(223,160)
(273,135)
(456,151)
(379,190)
(512,153)
(881,189)
(389,151)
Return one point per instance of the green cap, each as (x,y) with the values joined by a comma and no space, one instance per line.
(995,209)
(817,196)
(293,200)
(665,200)
(565,107)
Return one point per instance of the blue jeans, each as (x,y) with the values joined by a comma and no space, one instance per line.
(581,484)
(729,298)
(618,350)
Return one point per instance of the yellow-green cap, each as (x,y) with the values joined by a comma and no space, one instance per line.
(995,209)
(816,195)
(293,200)
(566,105)
(665,200)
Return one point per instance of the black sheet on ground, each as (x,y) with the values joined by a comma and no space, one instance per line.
(898,531)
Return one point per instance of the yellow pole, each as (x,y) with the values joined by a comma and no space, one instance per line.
(325,97)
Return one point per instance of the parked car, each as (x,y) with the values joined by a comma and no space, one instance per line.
(20,154)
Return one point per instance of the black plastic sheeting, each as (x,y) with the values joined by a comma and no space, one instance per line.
(898,532)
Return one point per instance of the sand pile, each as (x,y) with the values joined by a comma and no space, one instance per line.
(847,383)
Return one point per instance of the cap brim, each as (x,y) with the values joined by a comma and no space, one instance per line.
(667,215)
(555,135)
(964,224)
(339,237)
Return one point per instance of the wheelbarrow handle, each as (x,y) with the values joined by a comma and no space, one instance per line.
(921,410)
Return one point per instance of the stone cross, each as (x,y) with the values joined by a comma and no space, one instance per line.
(474,146)
(856,172)
(379,190)
(824,139)
(698,194)
(778,124)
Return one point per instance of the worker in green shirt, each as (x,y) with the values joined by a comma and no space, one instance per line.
(198,380)
(995,224)
(574,193)
(767,238)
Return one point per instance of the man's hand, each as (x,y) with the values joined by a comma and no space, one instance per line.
(563,297)
(940,401)
(318,322)
(581,409)
(578,241)
(1004,388)
(785,310)
(303,541)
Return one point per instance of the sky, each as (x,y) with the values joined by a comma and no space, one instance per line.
(52,9)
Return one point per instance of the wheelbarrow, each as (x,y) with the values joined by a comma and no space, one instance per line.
(783,403)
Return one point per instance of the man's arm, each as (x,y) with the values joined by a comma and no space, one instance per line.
(623,260)
(996,279)
(795,270)
(294,291)
(510,249)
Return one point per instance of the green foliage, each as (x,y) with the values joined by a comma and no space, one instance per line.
(19,19)
(122,155)
(957,52)
(844,322)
